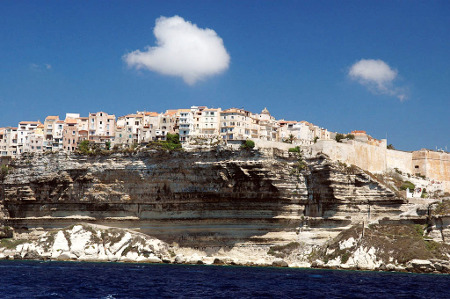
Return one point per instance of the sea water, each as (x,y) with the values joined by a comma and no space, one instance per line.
(33,279)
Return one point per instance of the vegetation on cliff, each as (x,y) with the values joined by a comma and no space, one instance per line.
(396,244)
(4,172)
(248,144)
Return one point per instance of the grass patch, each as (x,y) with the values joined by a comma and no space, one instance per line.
(11,243)
(407,185)
(443,208)
(401,243)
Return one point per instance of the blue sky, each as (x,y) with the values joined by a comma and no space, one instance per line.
(293,57)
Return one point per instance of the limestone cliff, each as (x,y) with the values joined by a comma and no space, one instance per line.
(217,202)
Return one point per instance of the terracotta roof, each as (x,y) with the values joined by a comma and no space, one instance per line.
(29,122)
(134,115)
(83,117)
(52,117)
(60,122)
(151,113)
(184,110)
(235,110)
(171,112)
(71,121)
(358,132)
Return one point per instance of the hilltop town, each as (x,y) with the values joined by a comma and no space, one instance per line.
(201,126)
(193,125)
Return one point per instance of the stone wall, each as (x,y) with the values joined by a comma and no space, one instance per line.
(400,160)
(378,159)
(368,157)
(432,164)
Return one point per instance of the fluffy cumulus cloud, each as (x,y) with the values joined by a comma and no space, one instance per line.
(378,76)
(183,50)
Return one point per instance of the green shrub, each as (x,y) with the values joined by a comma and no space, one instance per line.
(407,185)
(84,147)
(290,139)
(350,136)
(339,137)
(173,138)
(294,149)
(424,193)
(248,144)
(315,139)
(172,142)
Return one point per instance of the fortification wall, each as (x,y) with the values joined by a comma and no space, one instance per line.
(435,165)
(368,157)
(400,160)
(272,144)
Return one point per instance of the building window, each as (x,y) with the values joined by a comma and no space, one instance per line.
(417,166)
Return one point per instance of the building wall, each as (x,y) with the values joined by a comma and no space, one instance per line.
(378,159)
(365,156)
(435,165)
(400,160)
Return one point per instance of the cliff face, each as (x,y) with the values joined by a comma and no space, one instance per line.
(197,199)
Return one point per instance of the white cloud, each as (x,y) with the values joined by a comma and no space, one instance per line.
(182,50)
(40,67)
(378,76)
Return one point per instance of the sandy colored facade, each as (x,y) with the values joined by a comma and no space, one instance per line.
(431,164)
(377,158)
(101,127)
(70,135)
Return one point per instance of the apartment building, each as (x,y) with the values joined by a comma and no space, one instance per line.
(101,127)
(185,123)
(23,130)
(53,128)
(208,123)
(8,142)
(268,126)
(35,139)
(235,124)
(70,134)
(129,129)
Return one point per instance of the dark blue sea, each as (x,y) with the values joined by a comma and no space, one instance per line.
(32,279)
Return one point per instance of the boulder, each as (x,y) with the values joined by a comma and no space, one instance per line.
(179,259)
(279,263)
(417,265)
